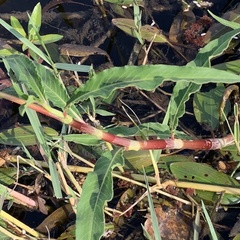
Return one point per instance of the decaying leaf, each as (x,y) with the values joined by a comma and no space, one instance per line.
(76,50)
(59,216)
(181,22)
(148,32)
(172,224)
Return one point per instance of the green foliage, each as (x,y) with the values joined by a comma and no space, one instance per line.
(7,175)
(37,84)
(155,222)
(147,32)
(206,106)
(97,189)
(209,222)
(32,34)
(147,77)
(202,173)
(23,135)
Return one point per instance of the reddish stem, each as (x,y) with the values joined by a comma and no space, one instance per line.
(207,144)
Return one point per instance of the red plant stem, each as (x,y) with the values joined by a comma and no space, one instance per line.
(207,144)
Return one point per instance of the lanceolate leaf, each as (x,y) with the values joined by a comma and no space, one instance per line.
(35,20)
(214,49)
(17,26)
(49,38)
(148,78)
(181,94)
(41,80)
(97,189)
(232,66)
(26,73)
(183,90)
(54,89)
(206,106)
(25,41)
(231,24)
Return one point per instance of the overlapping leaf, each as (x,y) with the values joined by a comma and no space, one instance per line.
(26,73)
(214,49)
(181,93)
(39,79)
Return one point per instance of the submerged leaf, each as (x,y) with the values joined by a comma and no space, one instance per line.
(23,135)
(206,106)
(148,32)
(202,173)
(8,175)
(125,2)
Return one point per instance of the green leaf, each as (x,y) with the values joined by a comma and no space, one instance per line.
(232,66)
(104,113)
(39,79)
(231,24)
(25,41)
(148,78)
(55,91)
(36,21)
(17,26)
(25,71)
(206,106)
(181,94)
(217,29)
(202,173)
(154,217)
(97,189)
(139,159)
(146,129)
(73,67)
(183,90)
(23,135)
(213,49)
(49,38)
(84,139)
(209,221)
(45,150)
(8,175)
(8,51)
